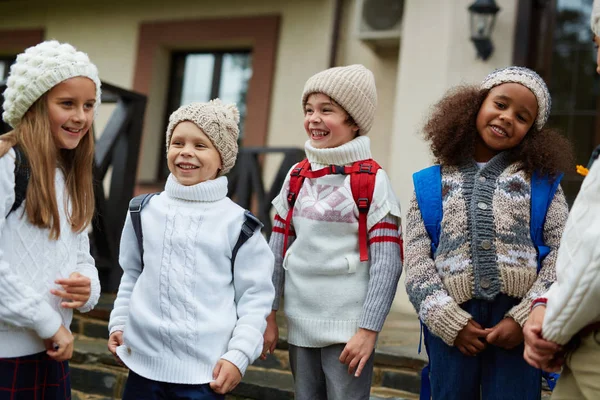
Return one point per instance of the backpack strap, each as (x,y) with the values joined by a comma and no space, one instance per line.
(362,184)
(543,188)
(428,190)
(251,223)
(296,181)
(135,208)
(22,174)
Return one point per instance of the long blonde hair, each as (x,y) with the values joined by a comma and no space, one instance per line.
(34,137)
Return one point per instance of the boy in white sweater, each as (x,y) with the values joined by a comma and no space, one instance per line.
(190,323)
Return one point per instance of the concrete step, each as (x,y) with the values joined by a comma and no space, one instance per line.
(97,379)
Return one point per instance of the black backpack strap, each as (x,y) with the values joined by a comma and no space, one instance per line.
(22,174)
(248,229)
(135,208)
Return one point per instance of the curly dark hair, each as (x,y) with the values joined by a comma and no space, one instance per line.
(452,134)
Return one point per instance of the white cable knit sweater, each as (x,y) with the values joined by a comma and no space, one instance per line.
(574,299)
(30,262)
(186,310)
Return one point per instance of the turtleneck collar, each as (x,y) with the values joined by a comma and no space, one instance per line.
(355,150)
(212,190)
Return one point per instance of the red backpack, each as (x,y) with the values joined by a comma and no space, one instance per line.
(362,183)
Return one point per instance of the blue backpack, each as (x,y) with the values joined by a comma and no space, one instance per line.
(428,190)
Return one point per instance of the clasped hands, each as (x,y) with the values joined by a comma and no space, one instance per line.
(473,338)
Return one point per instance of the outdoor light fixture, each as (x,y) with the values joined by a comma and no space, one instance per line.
(483,17)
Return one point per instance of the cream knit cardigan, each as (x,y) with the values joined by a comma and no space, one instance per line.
(574,299)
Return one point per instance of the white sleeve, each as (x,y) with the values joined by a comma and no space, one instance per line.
(254,294)
(87,267)
(573,299)
(20,304)
(130,261)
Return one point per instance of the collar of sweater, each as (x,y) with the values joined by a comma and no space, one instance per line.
(355,150)
(212,190)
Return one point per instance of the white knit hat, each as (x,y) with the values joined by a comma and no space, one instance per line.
(595,20)
(218,121)
(352,87)
(38,70)
(531,80)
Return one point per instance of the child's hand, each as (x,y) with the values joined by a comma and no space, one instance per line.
(358,350)
(77,289)
(226,377)
(469,340)
(271,335)
(507,334)
(115,340)
(539,353)
(60,346)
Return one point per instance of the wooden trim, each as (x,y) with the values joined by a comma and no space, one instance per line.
(522,39)
(15,41)
(259,33)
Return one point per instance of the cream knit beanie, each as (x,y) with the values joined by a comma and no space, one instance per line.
(352,87)
(38,70)
(531,81)
(595,20)
(218,121)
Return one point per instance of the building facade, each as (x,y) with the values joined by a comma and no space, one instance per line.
(259,53)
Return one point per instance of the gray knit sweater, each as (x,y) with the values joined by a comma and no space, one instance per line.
(485,246)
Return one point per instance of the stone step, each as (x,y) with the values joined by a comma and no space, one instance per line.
(97,379)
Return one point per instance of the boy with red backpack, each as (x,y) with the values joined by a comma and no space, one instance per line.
(337,242)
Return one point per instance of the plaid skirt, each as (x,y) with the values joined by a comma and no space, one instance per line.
(34,377)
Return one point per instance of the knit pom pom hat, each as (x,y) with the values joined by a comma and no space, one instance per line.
(595,20)
(218,121)
(352,87)
(38,70)
(531,81)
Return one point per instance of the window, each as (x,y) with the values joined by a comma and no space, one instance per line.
(203,76)
(562,52)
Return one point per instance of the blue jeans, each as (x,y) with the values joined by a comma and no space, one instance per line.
(137,388)
(494,374)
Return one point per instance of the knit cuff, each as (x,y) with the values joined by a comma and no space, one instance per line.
(49,321)
(520,312)
(94,294)
(238,359)
(116,328)
(449,322)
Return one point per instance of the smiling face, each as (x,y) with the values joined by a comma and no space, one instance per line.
(192,158)
(71,111)
(505,117)
(326,123)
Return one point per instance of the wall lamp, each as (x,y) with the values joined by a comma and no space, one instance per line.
(483,18)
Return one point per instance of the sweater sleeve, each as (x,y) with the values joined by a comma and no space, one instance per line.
(556,218)
(130,261)
(20,304)
(385,241)
(426,291)
(86,267)
(254,295)
(573,299)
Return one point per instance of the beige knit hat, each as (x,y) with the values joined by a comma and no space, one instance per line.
(38,70)
(595,20)
(352,87)
(218,121)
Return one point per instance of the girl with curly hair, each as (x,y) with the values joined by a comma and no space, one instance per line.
(474,292)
